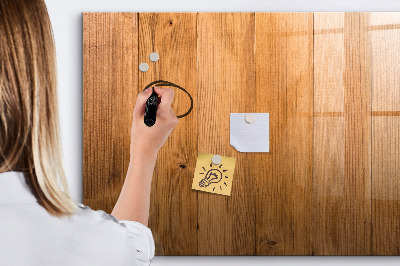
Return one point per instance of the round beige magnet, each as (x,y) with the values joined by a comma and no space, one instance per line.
(143,67)
(216,159)
(250,118)
(154,57)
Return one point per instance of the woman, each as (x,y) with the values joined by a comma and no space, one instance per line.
(39,223)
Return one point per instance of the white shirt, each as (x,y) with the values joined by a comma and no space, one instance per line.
(29,235)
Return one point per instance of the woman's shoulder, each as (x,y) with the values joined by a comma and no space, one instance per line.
(86,212)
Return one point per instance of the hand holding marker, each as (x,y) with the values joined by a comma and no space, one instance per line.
(153,101)
(151,109)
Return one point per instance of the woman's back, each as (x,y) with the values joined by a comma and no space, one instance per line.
(32,236)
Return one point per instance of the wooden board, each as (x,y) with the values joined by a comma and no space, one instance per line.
(226,225)
(174,205)
(285,90)
(331,84)
(342,159)
(385,133)
(109,69)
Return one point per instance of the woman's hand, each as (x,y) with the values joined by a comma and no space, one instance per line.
(134,201)
(148,140)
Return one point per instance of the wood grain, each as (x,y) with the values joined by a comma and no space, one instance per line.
(329,63)
(342,161)
(386,186)
(357,134)
(110,52)
(285,89)
(330,82)
(386,136)
(173,212)
(329,161)
(226,85)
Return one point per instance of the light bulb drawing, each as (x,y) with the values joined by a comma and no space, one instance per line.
(213,176)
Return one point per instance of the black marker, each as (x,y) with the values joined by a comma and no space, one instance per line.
(151,109)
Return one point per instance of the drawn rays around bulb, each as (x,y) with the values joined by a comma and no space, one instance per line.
(213,176)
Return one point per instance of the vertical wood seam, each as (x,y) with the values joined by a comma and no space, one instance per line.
(197,119)
(313,127)
(255,89)
(371,252)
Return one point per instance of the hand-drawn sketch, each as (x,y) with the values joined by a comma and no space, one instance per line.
(213,178)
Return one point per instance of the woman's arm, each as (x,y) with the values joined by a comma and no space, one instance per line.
(134,201)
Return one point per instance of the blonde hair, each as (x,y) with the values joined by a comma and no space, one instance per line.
(29,125)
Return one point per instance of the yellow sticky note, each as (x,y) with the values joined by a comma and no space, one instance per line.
(214,178)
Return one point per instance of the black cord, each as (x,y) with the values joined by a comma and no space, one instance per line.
(170,84)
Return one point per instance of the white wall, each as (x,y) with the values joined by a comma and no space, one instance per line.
(67,24)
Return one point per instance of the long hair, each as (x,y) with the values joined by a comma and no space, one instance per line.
(29,123)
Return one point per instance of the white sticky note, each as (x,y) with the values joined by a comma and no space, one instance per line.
(249,137)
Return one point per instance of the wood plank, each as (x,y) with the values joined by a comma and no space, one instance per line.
(386,136)
(109,56)
(329,161)
(342,145)
(358,133)
(226,225)
(386,186)
(173,212)
(328,185)
(284,79)
(329,57)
